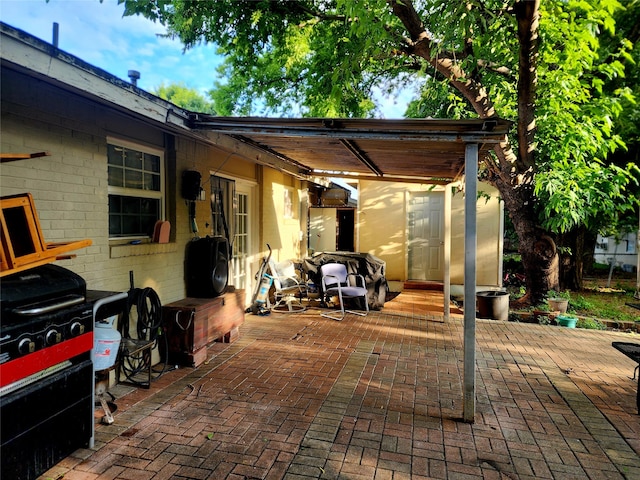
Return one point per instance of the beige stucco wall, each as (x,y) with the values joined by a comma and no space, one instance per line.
(382,229)
(489,241)
(286,234)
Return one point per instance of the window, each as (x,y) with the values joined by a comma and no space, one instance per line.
(136,189)
(223,206)
(630,244)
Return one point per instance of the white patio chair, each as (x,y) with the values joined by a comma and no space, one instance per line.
(289,288)
(337,282)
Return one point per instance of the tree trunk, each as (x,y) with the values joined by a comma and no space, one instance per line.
(512,174)
(578,249)
(537,249)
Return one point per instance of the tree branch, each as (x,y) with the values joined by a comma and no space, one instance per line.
(495,68)
(420,43)
(507,170)
(527,14)
(314,13)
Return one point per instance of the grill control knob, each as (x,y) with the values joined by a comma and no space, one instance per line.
(26,345)
(52,337)
(76,329)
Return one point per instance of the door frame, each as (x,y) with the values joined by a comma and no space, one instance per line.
(335,227)
(445,225)
(249,188)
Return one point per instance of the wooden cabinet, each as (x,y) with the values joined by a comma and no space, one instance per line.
(193,323)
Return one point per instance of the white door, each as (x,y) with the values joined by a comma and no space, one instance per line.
(426,236)
(242,242)
(322,229)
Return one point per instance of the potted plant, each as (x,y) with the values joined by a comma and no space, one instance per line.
(567,320)
(541,310)
(558,301)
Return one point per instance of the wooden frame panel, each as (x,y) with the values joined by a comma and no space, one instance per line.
(23,245)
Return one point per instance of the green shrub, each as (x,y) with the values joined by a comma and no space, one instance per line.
(514,317)
(543,320)
(581,303)
(599,268)
(541,307)
(565,294)
(590,323)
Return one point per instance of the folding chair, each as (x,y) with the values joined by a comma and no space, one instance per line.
(289,289)
(337,282)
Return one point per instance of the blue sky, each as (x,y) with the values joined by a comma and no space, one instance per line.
(98,34)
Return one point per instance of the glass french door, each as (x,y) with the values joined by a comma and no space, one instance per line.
(241,243)
(231,218)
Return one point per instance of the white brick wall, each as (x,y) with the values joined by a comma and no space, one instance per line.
(70,188)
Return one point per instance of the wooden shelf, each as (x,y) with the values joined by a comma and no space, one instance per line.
(12,157)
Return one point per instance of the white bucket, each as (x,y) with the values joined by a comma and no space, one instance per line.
(106,342)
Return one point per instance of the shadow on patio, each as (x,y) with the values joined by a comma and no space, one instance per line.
(301,396)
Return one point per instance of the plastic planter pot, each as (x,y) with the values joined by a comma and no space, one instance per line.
(493,305)
(566,321)
(558,304)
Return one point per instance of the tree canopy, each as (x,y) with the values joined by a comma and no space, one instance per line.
(556,68)
(189,98)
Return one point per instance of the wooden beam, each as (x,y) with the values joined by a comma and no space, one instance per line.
(361,156)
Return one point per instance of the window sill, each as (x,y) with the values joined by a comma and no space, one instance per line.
(127,250)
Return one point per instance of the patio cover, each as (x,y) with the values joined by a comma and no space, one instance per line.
(418,150)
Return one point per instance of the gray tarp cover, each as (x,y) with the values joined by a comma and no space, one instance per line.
(365,264)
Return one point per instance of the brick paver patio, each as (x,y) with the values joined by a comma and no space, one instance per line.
(302,397)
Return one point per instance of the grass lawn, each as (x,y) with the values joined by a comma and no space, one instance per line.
(599,301)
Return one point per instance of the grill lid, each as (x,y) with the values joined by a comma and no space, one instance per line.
(39,284)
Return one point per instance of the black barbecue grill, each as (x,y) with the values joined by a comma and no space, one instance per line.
(46,373)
